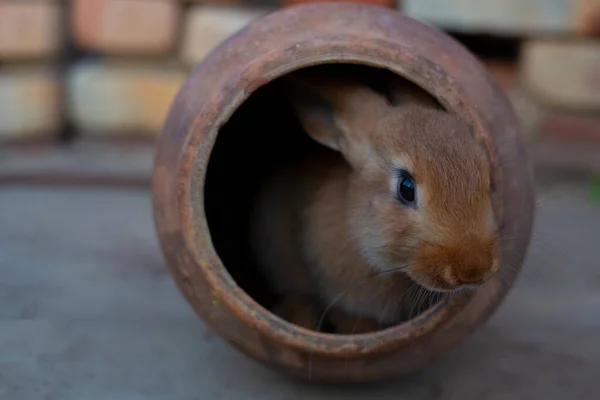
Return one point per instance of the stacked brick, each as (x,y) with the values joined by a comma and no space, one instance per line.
(557,75)
(29,90)
(124,85)
(102,68)
(110,68)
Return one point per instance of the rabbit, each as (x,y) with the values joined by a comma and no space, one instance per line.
(396,203)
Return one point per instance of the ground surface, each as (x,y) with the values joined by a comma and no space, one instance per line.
(89,312)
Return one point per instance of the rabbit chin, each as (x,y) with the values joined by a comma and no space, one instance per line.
(437,284)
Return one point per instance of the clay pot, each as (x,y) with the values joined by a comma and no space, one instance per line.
(213,151)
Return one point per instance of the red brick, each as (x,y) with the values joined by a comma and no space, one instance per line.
(29,104)
(555,156)
(584,129)
(82,163)
(121,98)
(29,30)
(125,26)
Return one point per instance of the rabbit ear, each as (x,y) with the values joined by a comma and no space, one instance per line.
(403,92)
(337,112)
(315,113)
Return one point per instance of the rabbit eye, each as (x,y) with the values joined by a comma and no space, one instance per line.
(406,187)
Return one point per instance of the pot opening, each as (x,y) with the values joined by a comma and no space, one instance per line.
(261,135)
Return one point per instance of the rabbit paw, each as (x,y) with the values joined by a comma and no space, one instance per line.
(298,311)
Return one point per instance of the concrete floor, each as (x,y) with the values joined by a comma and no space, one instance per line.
(88,311)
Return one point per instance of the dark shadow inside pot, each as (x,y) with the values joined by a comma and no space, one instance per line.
(260,136)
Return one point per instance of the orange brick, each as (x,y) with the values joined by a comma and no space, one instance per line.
(29,104)
(121,98)
(563,74)
(207,26)
(29,30)
(82,163)
(125,26)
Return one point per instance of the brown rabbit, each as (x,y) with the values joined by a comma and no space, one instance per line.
(407,191)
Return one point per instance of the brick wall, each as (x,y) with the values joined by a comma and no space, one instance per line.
(554,80)
(110,68)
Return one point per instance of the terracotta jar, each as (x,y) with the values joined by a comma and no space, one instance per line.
(213,151)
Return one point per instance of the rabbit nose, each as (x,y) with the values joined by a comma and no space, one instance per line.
(472,274)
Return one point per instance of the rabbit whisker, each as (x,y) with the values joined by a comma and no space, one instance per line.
(344,292)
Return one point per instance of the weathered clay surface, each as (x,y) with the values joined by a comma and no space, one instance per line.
(270,47)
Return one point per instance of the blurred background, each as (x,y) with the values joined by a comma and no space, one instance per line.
(99,75)
(87,308)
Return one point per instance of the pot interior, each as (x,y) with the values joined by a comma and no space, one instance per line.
(261,135)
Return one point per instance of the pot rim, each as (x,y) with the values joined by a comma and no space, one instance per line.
(191,175)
